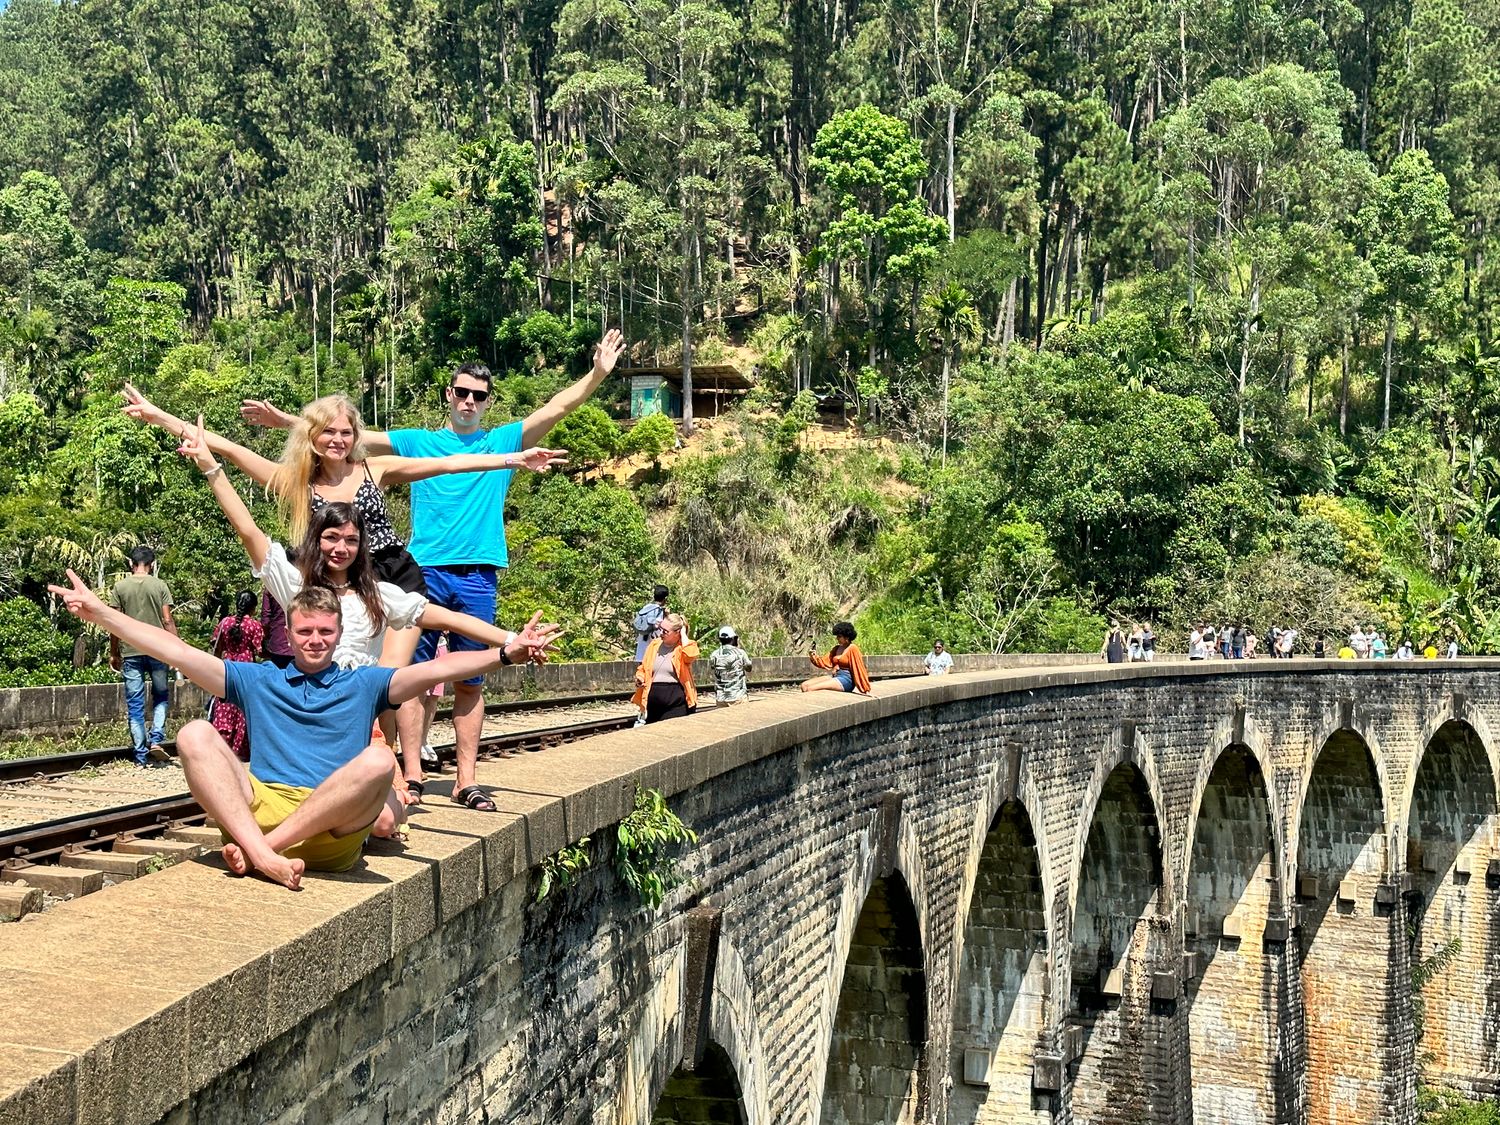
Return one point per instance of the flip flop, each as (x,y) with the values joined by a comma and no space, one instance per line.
(473,797)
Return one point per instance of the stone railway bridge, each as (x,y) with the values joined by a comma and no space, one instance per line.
(1172,893)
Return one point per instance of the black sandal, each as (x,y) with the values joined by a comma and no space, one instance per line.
(473,797)
(415,788)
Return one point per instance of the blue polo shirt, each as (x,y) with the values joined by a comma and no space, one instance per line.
(458,519)
(303,726)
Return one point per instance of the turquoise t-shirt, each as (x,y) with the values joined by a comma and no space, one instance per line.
(458,519)
(304,726)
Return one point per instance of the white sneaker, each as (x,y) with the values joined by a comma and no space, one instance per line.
(428,755)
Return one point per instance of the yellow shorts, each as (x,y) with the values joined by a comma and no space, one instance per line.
(271,803)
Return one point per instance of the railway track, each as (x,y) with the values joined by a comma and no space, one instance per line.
(44,766)
(76,855)
(81,851)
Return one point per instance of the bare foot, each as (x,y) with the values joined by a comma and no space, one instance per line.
(235,858)
(277,868)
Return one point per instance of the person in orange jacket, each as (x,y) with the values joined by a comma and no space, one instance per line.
(845,664)
(664,681)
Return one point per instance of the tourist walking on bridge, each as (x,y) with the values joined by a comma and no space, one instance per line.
(1113,648)
(143,596)
(316,786)
(647,618)
(844,662)
(938,662)
(730,665)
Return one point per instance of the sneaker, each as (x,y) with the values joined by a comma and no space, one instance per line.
(428,755)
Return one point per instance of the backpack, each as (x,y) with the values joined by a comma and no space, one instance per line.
(645,621)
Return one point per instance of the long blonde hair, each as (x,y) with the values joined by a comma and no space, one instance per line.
(291,483)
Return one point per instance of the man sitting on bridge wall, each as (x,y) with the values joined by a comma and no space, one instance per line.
(316,786)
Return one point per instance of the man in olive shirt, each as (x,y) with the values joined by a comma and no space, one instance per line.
(144,597)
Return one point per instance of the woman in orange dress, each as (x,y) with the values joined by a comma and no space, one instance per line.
(844,662)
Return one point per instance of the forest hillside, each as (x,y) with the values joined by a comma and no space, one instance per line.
(1055,309)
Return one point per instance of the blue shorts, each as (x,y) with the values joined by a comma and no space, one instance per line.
(463,589)
(845,679)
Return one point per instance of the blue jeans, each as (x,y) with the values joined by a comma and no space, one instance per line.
(463,589)
(136,669)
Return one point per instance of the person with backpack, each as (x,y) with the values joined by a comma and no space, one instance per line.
(648,620)
(238,638)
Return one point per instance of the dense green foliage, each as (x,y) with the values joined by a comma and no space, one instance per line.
(1147,309)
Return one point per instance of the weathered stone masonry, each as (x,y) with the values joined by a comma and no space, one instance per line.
(1191,894)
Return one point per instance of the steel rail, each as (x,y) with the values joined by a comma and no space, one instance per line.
(48,839)
(43,766)
(93,829)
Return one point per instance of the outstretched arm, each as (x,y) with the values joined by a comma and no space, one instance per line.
(413,680)
(257,543)
(539,422)
(263,412)
(404,470)
(204,670)
(531,643)
(247,461)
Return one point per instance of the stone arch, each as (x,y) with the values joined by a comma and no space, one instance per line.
(1118,937)
(656,1044)
(999,1006)
(1449,823)
(1233,990)
(1344,940)
(876,1071)
(1135,752)
(1345,722)
(709,1094)
(1250,740)
(649,1089)
(996,791)
(1439,719)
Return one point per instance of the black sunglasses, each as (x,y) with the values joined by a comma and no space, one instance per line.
(469,392)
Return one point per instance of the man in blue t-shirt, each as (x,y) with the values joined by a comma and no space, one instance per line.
(458,521)
(316,786)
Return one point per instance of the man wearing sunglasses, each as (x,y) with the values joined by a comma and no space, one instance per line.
(458,527)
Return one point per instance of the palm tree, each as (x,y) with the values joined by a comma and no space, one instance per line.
(956,325)
(91,556)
